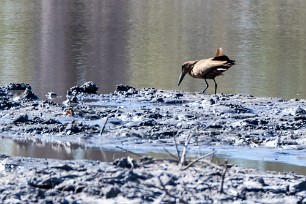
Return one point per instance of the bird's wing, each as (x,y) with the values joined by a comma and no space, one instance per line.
(202,67)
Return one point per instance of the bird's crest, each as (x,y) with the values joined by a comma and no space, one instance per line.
(219,52)
(219,56)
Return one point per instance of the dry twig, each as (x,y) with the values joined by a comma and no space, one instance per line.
(177,151)
(223,177)
(172,155)
(182,160)
(198,159)
(212,164)
(103,125)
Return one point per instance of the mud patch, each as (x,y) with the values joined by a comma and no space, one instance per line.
(147,180)
(147,120)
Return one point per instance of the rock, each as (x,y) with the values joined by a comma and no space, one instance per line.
(212,101)
(6,104)
(124,88)
(29,95)
(22,119)
(177,95)
(73,128)
(51,95)
(46,182)
(112,192)
(64,167)
(297,187)
(300,111)
(174,101)
(87,88)
(17,86)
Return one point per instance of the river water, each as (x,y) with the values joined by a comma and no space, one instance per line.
(56,44)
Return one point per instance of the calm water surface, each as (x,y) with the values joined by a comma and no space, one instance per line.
(56,44)
(262,160)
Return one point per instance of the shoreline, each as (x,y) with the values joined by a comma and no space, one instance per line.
(150,117)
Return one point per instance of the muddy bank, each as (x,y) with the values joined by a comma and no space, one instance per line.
(143,181)
(153,116)
(148,120)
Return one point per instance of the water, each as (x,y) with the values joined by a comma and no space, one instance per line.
(263,159)
(55,44)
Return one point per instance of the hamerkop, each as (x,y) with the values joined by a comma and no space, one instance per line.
(207,68)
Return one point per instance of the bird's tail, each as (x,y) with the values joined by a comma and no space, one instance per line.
(219,56)
(224,58)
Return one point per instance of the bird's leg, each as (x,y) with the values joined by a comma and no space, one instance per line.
(215,86)
(206,86)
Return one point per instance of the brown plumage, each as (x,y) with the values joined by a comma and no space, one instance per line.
(207,68)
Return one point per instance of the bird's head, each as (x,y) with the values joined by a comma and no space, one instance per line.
(186,68)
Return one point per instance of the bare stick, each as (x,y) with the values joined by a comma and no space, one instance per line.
(198,159)
(212,157)
(223,177)
(182,160)
(176,147)
(139,155)
(103,125)
(212,164)
(172,155)
(159,200)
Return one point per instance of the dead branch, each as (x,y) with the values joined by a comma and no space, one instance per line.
(213,156)
(103,125)
(182,160)
(160,199)
(198,159)
(175,143)
(212,164)
(170,154)
(223,177)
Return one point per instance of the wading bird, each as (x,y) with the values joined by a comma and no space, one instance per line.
(207,68)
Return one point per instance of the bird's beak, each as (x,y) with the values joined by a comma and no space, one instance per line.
(181,78)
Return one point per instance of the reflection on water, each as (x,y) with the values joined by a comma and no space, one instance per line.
(262,165)
(25,148)
(55,44)
(68,151)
